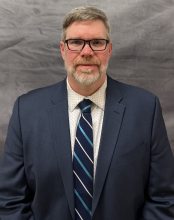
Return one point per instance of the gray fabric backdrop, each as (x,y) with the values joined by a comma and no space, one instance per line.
(143,49)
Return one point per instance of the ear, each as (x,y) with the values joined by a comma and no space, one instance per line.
(62,49)
(110,49)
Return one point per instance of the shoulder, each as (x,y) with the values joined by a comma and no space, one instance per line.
(42,97)
(48,90)
(131,93)
(136,100)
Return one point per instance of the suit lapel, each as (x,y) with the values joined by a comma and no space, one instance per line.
(59,121)
(111,125)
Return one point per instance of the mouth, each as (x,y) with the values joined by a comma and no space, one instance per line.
(87,65)
(84,63)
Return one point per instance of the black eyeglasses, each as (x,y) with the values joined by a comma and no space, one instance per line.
(79,44)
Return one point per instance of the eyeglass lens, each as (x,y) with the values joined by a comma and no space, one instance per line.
(96,44)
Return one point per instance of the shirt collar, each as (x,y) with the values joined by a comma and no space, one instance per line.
(97,98)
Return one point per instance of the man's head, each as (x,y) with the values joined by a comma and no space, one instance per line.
(86,61)
(84,14)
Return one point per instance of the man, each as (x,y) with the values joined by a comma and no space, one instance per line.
(88,147)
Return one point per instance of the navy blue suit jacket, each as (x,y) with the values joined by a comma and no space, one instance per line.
(135,169)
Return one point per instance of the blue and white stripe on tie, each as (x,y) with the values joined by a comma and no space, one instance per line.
(83,164)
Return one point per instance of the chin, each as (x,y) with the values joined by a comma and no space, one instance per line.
(86,78)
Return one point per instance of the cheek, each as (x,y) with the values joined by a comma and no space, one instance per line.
(104,56)
(104,59)
(70,58)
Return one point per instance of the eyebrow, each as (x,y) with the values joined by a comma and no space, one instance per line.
(79,38)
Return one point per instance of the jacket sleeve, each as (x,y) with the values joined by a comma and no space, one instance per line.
(15,195)
(159,203)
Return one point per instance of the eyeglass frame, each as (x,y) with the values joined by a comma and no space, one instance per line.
(88,41)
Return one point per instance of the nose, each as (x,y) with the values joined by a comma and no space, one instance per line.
(87,51)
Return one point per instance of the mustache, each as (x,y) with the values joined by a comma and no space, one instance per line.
(86,61)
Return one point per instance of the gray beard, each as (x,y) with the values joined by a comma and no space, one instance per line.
(86,78)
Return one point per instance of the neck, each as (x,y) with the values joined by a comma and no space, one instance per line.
(85,90)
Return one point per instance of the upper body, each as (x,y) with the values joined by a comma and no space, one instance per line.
(134,173)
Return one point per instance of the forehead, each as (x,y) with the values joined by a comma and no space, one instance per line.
(86,29)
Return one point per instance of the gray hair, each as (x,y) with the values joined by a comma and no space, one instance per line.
(82,14)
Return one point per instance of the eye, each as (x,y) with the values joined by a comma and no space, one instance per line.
(76,42)
(97,42)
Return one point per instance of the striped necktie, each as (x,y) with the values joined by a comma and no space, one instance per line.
(83,164)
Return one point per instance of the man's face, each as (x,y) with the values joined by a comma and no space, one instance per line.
(86,66)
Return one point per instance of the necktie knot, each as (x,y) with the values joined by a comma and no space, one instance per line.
(85,106)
